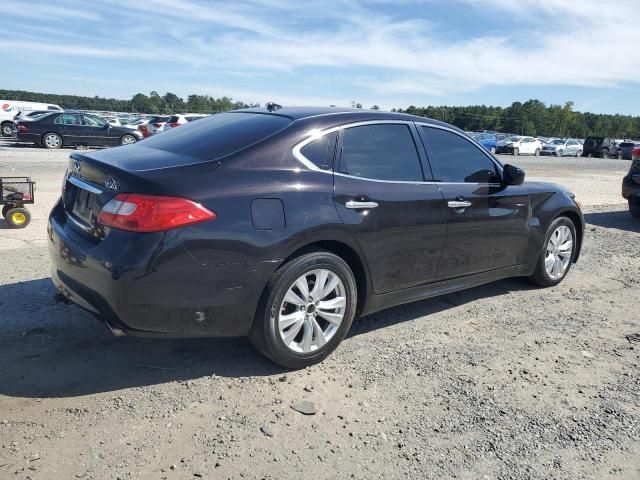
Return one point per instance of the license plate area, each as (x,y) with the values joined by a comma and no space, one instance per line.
(83,206)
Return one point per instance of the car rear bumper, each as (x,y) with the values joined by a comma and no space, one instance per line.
(150,285)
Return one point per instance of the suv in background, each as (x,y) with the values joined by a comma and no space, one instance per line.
(601,147)
(627,149)
(631,184)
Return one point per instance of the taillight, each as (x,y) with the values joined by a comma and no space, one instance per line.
(635,153)
(174,124)
(22,128)
(148,213)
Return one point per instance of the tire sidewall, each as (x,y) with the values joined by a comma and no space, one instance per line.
(552,228)
(44,141)
(277,350)
(135,140)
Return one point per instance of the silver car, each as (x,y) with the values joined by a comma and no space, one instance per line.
(562,148)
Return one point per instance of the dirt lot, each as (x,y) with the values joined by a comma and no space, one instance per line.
(502,381)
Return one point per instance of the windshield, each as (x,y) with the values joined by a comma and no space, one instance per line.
(513,139)
(558,142)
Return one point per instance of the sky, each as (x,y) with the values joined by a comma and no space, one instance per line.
(391,53)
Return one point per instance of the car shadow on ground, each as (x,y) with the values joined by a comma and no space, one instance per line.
(58,350)
(620,219)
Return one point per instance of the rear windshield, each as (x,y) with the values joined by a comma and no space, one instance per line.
(627,144)
(218,135)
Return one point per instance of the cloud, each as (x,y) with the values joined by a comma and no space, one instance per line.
(385,47)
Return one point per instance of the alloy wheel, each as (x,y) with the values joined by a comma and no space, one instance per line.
(128,140)
(312,311)
(52,141)
(558,252)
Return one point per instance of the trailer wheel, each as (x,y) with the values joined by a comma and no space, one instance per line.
(18,217)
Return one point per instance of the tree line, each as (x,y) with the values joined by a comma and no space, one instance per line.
(534,118)
(529,118)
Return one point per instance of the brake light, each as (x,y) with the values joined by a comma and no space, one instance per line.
(174,124)
(22,128)
(144,130)
(635,153)
(148,213)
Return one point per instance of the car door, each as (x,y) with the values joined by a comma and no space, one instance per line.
(380,193)
(528,146)
(70,128)
(96,130)
(487,222)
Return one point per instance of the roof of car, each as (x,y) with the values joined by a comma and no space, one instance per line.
(300,113)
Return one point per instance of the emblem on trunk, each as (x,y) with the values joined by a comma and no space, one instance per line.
(111,184)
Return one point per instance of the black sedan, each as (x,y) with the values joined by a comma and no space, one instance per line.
(284,224)
(55,130)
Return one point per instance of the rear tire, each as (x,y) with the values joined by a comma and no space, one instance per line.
(52,141)
(537,152)
(128,140)
(18,217)
(578,153)
(560,153)
(266,333)
(7,129)
(634,209)
(5,209)
(541,276)
(605,153)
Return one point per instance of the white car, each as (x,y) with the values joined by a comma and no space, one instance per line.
(158,125)
(517,145)
(177,120)
(10,108)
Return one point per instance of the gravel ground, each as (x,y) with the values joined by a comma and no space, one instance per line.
(498,382)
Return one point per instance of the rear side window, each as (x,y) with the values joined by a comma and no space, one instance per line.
(51,107)
(455,159)
(218,135)
(380,152)
(321,151)
(68,119)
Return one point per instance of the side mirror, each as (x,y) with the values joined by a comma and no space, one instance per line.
(513,175)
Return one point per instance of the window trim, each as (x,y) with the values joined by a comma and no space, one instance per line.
(423,151)
(475,143)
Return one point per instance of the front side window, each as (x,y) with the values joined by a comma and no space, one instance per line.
(380,152)
(321,151)
(94,121)
(455,159)
(68,119)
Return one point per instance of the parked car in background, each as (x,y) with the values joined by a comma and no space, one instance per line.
(626,148)
(487,140)
(561,148)
(177,120)
(519,145)
(157,126)
(10,108)
(205,231)
(601,147)
(55,130)
(631,184)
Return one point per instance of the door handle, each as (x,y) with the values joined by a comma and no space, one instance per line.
(354,205)
(458,204)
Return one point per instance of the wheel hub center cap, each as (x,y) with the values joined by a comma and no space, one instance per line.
(311,308)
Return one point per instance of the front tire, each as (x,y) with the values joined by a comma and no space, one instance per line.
(634,209)
(52,141)
(516,151)
(493,150)
(557,253)
(537,152)
(306,310)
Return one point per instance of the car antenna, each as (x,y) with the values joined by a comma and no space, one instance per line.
(272,106)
